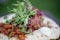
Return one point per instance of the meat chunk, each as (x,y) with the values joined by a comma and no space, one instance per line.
(35,22)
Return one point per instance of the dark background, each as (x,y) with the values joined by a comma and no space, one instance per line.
(52,6)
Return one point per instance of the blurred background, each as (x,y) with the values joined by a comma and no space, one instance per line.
(52,6)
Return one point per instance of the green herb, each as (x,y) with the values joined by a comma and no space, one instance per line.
(8,21)
(23,29)
(22,14)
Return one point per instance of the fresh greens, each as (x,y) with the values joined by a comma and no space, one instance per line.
(8,21)
(23,29)
(22,10)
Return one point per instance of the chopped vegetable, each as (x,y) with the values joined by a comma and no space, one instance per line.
(23,29)
(8,21)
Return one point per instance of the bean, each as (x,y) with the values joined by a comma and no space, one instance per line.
(9,30)
(17,31)
(13,34)
(2,30)
(7,26)
(6,32)
(1,24)
(21,37)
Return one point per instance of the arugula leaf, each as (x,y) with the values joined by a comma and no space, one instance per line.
(8,21)
(23,29)
(22,10)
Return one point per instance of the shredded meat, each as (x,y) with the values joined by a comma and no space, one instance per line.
(35,21)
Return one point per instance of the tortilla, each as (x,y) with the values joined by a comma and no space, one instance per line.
(51,33)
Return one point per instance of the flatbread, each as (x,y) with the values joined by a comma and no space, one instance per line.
(55,30)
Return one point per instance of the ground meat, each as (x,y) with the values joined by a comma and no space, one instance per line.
(35,22)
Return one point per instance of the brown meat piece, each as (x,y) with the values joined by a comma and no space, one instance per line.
(35,22)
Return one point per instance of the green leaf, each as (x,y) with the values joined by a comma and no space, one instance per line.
(21,12)
(23,29)
(8,21)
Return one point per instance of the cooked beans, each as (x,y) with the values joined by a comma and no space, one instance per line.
(7,26)
(21,37)
(7,29)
